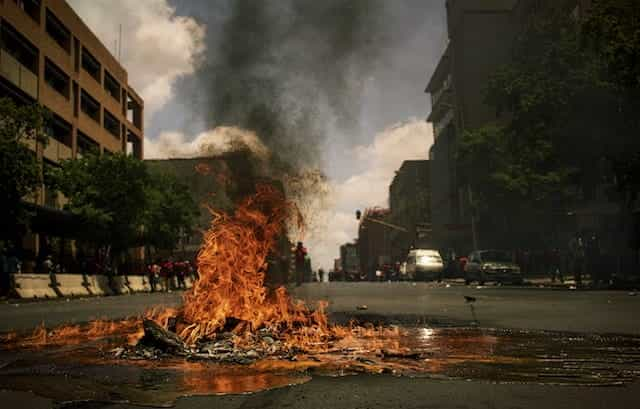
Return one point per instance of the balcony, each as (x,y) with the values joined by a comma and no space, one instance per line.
(445,87)
(18,74)
(56,151)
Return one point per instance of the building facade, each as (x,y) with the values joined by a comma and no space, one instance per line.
(50,57)
(481,38)
(374,241)
(349,260)
(409,203)
(481,35)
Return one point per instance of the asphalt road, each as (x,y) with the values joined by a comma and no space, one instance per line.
(496,307)
(499,307)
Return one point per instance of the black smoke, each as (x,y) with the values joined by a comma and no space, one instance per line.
(290,70)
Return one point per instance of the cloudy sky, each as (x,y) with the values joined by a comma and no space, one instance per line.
(341,81)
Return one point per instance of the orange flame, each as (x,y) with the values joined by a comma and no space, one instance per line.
(232,265)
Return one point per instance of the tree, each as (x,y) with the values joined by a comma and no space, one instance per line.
(171,212)
(612,31)
(521,164)
(109,193)
(20,170)
(566,101)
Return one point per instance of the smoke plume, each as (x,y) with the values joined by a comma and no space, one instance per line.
(290,71)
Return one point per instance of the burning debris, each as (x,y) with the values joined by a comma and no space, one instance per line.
(230,315)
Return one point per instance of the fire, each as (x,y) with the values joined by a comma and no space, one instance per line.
(232,266)
(230,295)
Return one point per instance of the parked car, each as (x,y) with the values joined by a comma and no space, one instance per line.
(424,265)
(492,266)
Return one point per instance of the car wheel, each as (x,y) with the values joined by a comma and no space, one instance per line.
(481,282)
(467,282)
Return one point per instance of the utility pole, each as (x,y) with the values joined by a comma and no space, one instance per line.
(474,233)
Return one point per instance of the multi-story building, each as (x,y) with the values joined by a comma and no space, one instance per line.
(410,208)
(49,56)
(349,260)
(481,36)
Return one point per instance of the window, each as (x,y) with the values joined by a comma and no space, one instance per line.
(91,65)
(19,47)
(59,129)
(134,145)
(86,145)
(111,124)
(76,99)
(56,78)
(111,86)
(90,106)
(134,112)
(76,54)
(31,7)
(58,32)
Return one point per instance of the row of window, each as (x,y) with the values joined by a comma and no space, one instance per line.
(61,130)
(27,54)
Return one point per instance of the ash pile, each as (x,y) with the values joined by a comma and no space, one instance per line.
(227,346)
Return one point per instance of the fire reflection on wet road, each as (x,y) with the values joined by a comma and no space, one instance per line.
(89,371)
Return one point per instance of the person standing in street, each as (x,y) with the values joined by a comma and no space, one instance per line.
(576,257)
(300,255)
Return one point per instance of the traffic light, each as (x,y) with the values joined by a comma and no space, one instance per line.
(358,214)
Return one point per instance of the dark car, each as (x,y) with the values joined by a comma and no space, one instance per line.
(492,265)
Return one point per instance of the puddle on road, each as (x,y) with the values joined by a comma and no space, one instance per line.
(88,372)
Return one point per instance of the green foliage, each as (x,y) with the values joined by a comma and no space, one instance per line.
(119,199)
(557,112)
(109,193)
(612,30)
(20,173)
(171,212)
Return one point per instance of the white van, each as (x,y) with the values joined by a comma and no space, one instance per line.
(424,265)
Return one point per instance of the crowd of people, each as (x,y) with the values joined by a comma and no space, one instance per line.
(169,275)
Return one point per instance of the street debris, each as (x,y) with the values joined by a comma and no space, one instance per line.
(362,307)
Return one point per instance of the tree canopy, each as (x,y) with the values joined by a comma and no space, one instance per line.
(20,172)
(171,212)
(558,109)
(109,193)
(123,204)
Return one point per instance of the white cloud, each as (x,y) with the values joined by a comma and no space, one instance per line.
(338,225)
(157,46)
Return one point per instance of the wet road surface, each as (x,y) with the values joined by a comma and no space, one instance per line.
(501,368)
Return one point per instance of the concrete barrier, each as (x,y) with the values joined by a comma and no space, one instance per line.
(72,285)
(99,285)
(75,285)
(34,286)
(120,285)
(138,284)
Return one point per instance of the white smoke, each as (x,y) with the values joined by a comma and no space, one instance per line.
(215,141)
